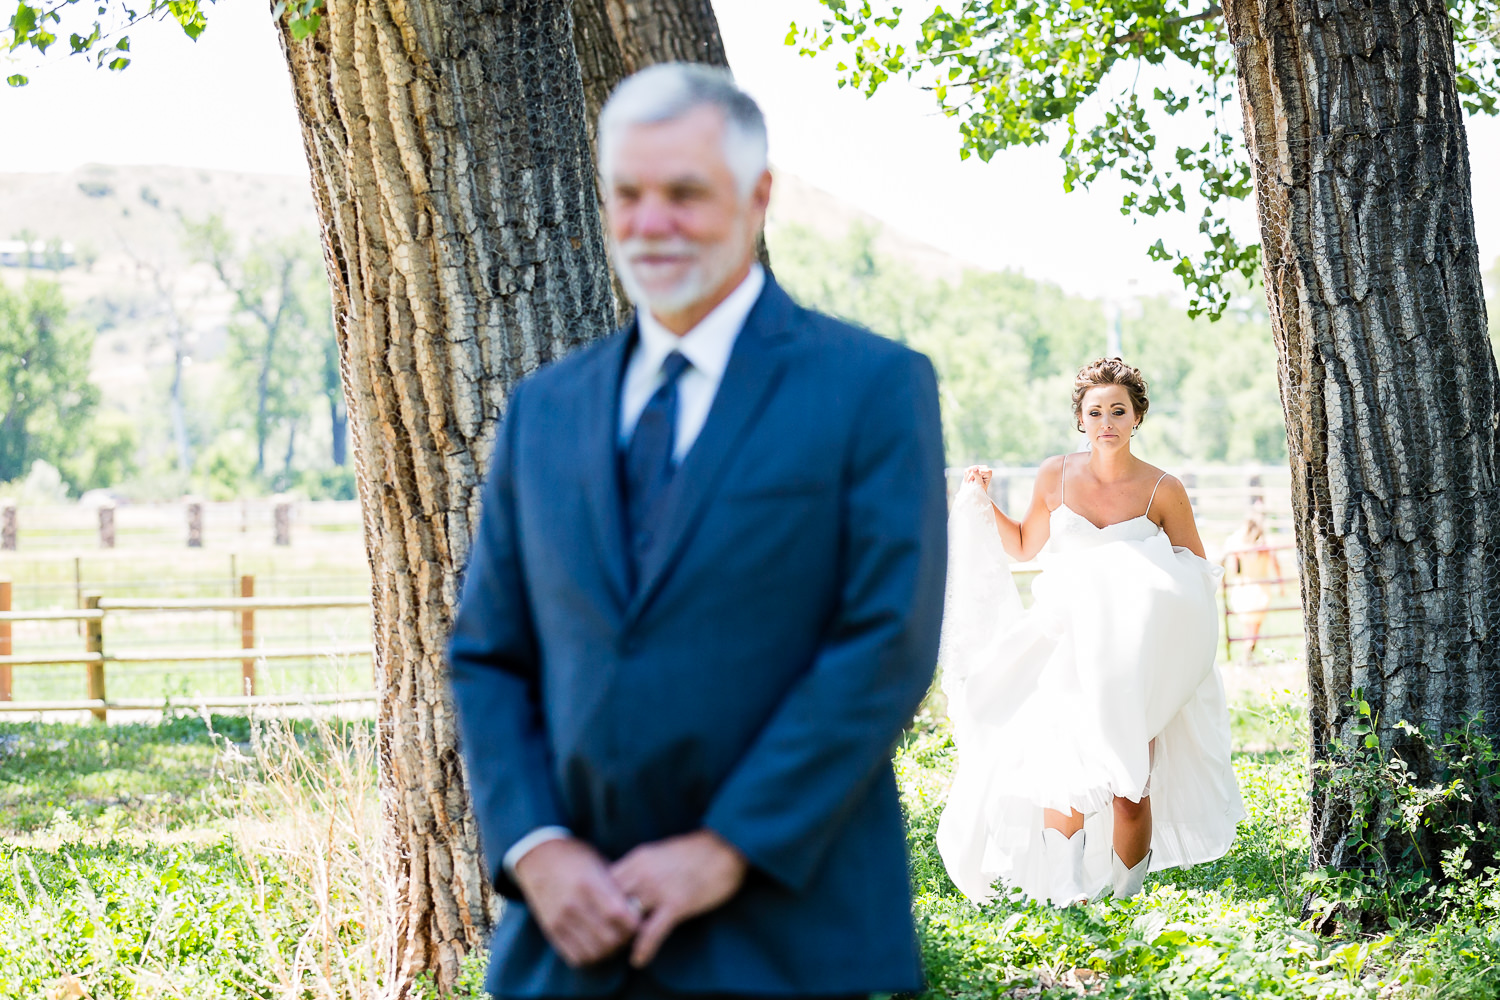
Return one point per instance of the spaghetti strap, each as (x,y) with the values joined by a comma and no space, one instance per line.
(1062,483)
(1153,494)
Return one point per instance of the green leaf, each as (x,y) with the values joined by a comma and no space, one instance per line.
(189,14)
(17,80)
(23,22)
(304,27)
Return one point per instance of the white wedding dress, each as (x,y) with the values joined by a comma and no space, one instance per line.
(1057,706)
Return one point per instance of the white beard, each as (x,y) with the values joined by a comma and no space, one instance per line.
(712,264)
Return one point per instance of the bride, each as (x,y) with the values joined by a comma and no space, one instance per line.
(1091,728)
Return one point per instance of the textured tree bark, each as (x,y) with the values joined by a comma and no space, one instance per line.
(616,38)
(455,191)
(1387,376)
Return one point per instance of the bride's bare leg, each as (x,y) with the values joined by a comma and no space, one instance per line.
(1132,829)
(1068,823)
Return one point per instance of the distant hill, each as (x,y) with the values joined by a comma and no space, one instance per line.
(112,209)
(124,225)
(114,214)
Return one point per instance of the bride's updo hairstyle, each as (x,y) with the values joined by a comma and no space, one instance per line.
(1110,371)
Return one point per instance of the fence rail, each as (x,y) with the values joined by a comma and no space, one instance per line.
(94,656)
(1225,586)
(191,522)
(98,705)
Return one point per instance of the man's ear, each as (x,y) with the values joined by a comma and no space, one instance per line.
(760,195)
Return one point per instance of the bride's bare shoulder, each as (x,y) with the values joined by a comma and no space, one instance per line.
(1051,468)
(1049,477)
(1165,487)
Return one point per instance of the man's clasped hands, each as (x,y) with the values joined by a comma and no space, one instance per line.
(589,909)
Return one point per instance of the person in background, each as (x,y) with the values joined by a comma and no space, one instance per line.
(1092,732)
(1251,570)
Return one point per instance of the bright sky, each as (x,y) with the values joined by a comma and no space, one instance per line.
(224,102)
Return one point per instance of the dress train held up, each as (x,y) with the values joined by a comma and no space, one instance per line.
(1105,686)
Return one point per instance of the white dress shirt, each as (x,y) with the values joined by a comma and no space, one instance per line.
(707,347)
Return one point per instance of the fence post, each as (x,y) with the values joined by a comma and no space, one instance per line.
(95,644)
(8,525)
(5,642)
(194,522)
(1224,596)
(247,634)
(107,525)
(283,518)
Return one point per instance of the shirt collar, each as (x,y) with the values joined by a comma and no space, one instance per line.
(707,346)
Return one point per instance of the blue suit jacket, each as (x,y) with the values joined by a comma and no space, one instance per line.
(781,633)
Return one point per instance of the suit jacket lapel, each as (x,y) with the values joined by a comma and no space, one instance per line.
(755,366)
(599,429)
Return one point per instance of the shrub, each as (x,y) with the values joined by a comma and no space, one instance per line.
(1418,848)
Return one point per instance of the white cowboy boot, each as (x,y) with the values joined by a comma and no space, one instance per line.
(1064,857)
(1128,881)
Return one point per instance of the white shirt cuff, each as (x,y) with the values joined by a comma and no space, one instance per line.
(535,838)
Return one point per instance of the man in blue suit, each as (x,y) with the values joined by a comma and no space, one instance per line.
(703,601)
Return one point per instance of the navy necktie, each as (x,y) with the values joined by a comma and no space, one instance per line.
(648,460)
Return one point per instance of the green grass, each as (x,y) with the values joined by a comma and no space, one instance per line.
(179,681)
(1232,928)
(189,858)
(154,777)
(161,861)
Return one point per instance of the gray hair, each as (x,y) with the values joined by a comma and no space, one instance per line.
(667,91)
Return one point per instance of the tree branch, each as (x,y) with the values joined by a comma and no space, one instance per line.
(1136,36)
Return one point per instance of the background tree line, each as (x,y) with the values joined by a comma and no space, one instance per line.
(267,415)
(1005,347)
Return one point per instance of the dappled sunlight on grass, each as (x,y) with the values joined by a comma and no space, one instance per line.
(1232,928)
(154,773)
(164,861)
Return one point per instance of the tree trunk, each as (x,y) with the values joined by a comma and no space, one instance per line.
(262,400)
(291,450)
(616,38)
(174,406)
(1387,377)
(338,419)
(454,185)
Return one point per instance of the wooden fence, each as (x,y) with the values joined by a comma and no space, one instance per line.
(277,521)
(96,655)
(1254,634)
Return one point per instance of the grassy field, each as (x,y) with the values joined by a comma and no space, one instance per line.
(175,860)
(1232,928)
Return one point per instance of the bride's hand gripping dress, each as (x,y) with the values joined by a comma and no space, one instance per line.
(1095,691)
